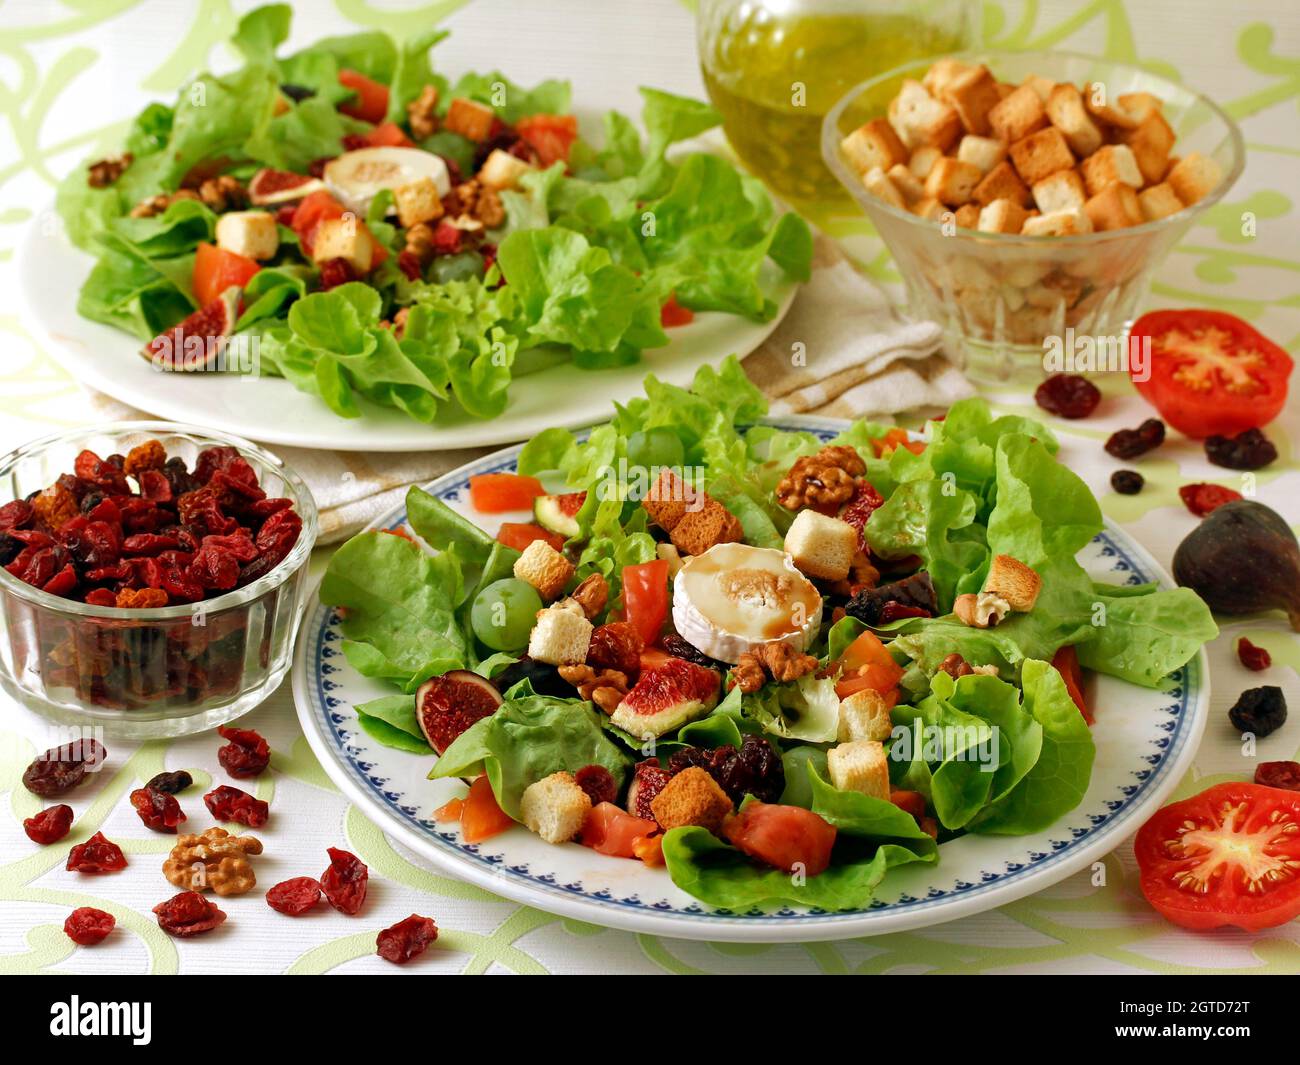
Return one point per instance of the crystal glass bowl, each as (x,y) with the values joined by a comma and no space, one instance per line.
(148,673)
(1000,297)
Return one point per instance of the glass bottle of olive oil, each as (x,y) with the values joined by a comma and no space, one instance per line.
(774,68)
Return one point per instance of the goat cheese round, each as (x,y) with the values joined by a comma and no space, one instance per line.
(356,177)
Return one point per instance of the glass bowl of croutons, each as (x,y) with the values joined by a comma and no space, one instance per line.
(1028,196)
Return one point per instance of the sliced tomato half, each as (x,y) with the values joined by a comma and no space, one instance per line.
(1228,856)
(1210,372)
(550,136)
(216,269)
(1066,663)
(645,595)
(371,101)
(497,493)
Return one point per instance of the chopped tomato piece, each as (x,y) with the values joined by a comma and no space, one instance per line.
(450,811)
(1210,373)
(481,817)
(673,313)
(550,136)
(645,595)
(1228,856)
(496,493)
(866,663)
(371,101)
(787,837)
(650,849)
(216,269)
(519,534)
(610,830)
(912,802)
(388,135)
(1066,663)
(399,532)
(885,445)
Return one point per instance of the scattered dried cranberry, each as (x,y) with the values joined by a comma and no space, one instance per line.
(598,783)
(755,769)
(88,926)
(1130,443)
(446,239)
(1252,656)
(96,855)
(49,826)
(407,939)
(1202,498)
(171,783)
(245,755)
(344,882)
(230,804)
(1261,711)
(1285,775)
(679,648)
(858,510)
(1127,482)
(896,611)
(294,897)
(60,769)
(158,810)
(188,914)
(335,272)
(409,263)
(1250,450)
(1068,396)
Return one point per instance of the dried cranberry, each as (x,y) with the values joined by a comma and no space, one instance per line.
(264,508)
(294,897)
(16,514)
(679,648)
(864,502)
(149,544)
(354,142)
(101,597)
(10,548)
(108,476)
(214,569)
(598,783)
(1067,395)
(96,855)
(1250,450)
(407,939)
(896,611)
(755,769)
(1202,498)
(171,783)
(1127,482)
(1285,775)
(239,545)
(245,755)
(188,914)
(178,476)
(154,486)
(446,239)
(454,173)
(62,582)
(1261,711)
(50,825)
(87,926)
(1130,443)
(157,809)
(279,533)
(335,272)
(409,263)
(344,882)
(1253,657)
(316,168)
(60,769)
(230,804)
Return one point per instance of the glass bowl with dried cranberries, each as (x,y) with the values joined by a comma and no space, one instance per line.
(152,576)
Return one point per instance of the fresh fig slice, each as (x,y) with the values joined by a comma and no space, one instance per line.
(197,342)
(280,186)
(667,697)
(559,513)
(446,706)
(648,780)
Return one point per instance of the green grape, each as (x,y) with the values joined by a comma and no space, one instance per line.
(459,267)
(503,614)
(655,447)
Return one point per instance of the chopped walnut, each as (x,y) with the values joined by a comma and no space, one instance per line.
(748,674)
(956,667)
(821,480)
(223,193)
(489,209)
(105,172)
(462,198)
(422,113)
(156,205)
(777,660)
(592,594)
(605,687)
(214,861)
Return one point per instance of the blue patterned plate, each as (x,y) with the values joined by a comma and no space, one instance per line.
(1145,743)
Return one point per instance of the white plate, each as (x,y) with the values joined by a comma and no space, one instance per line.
(1145,743)
(270,410)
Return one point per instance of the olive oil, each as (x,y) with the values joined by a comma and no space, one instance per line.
(774,70)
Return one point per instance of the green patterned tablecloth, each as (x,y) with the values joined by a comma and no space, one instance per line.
(72,72)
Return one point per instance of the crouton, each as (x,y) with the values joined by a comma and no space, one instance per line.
(1012,580)
(668,500)
(919,119)
(922,161)
(1002,216)
(1151,143)
(561,635)
(821,547)
(1108,165)
(555,807)
(983,152)
(878,184)
(912,187)
(501,170)
(873,145)
(417,201)
(1115,207)
(1041,154)
(1098,103)
(860,765)
(252,234)
(1067,113)
(951,181)
(343,238)
(1065,223)
(1159,201)
(469,118)
(1042,86)
(972,94)
(711,524)
(864,715)
(941,73)
(929,208)
(1061,191)
(691,797)
(1018,115)
(1194,178)
(1001,183)
(967,216)
(544,568)
(1140,105)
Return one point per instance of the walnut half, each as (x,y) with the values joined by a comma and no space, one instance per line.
(214,861)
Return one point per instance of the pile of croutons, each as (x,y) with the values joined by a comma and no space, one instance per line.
(1041,158)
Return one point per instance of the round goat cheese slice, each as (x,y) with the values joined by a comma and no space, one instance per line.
(356,177)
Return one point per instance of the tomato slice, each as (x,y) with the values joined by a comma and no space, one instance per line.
(610,830)
(1066,663)
(866,663)
(1228,856)
(550,136)
(216,269)
(645,595)
(481,817)
(673,314)
(1210,372)
(496,493)
(519,534)
(895,438)
(786,837)
(388,135)
(371,103)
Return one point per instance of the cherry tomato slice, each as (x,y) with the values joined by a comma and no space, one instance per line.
(1228,856)
(673,314)
(519,534)
(1066,663)
(496,493)
(388,135)
(550,136)
(1210,372)
(645,596)
(216,269)
(371,101)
